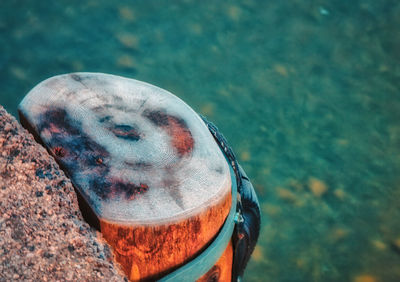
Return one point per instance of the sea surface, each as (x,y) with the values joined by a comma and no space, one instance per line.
(307,93)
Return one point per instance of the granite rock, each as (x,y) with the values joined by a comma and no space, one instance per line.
(42,233)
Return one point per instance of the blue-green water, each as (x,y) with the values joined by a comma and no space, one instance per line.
(307,93)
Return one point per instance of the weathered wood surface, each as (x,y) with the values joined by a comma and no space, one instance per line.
(153,251)
(141,158)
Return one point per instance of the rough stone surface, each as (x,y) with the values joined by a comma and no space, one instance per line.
(42,233)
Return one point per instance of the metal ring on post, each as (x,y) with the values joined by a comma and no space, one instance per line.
(194,269)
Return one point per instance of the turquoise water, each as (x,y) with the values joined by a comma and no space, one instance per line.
(307,93)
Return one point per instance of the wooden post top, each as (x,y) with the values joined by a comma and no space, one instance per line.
(138,154)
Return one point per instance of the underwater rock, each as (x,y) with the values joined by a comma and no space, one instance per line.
(42,233)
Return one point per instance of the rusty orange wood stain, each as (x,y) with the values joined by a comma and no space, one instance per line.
(150,252)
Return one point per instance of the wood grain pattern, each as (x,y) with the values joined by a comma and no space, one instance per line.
(149,252)
(136,152)
(142,160)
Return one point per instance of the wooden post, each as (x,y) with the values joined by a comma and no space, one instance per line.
(143,161)
(152,251)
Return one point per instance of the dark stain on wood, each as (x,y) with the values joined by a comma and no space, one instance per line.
(75,151)
(182,139)
(139,165)
(76,77)
(124,131)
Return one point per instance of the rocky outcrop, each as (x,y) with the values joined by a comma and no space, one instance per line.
(42,233)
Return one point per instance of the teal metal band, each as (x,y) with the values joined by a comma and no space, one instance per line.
(200,265)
